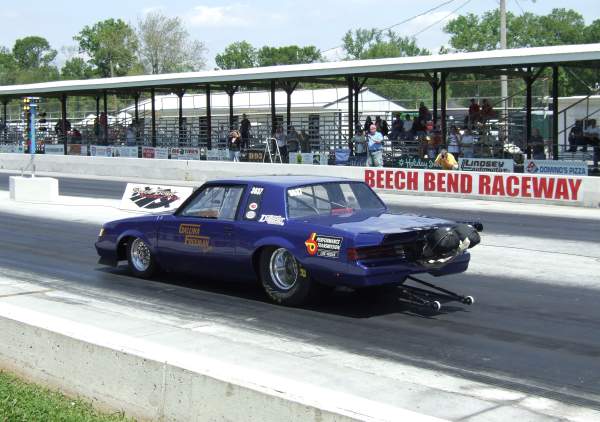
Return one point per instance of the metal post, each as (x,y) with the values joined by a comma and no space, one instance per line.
(4,104)
(434,87)
(528,105)
(97,128)
(63,121)
(32,118)
(153,116)
(231,92)
(288,109)
(273,107)
(106,117)
(443,105)
(208,119)
(136,99)
(555,112)
(180,115)
(350,109)
(503,78)
(356,92)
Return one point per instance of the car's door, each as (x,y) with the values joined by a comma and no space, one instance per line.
(200,238)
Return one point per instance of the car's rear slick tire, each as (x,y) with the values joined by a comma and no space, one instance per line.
(140,258)
(295,291)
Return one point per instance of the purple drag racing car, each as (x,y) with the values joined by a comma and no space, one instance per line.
(298,235)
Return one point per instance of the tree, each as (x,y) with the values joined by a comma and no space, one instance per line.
(33,52)
(8,67)
(111,45)
(165,45)
(237,55)
(289,54)
(373,44)
(76,68)
(559,27)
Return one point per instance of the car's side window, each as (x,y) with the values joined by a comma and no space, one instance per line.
(218,202)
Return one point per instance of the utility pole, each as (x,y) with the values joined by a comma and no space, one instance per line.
(503,78)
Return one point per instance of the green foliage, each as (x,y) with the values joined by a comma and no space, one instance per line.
(8,67)
(561,26)
(111,45)
(33,52)
(237,55)
(373,44)
(76,68)
(22,402)
(289,54)
(165,45)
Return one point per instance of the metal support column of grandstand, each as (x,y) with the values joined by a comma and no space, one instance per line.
(555,74)
(63,121)
(153,115)
(273,113)
(208,118)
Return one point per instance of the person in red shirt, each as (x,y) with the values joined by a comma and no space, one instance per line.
(474,113)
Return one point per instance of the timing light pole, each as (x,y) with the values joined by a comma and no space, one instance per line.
(503,78)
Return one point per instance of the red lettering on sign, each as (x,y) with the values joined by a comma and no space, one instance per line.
(574,184)
(389,179)
(526,187)
(429,182)
(484,184)
(543,187)
(466,183)
(562,189)
(399,180)
(380,179)
(453,182)
(370,178)
(498,186)
(441,182)
(512,183)
(412,182)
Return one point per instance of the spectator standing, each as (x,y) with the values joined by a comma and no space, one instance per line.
(130,135)
(536,142)
(304,141)
(576,137)
(474,112)
(466,144)
(487,111)
(454,141)
(407,127)
(280,139)
(245,127)
(446,160)
(375,147)
(234,142)
(360,147)
(424,114)
(367,125)
(292,141)
(396,129)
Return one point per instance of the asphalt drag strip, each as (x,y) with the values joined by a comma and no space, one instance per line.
(523,333)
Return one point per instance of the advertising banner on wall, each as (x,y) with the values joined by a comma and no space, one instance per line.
(100,151)
(558,188)
(129,152)
(217,154)
(577,168)
(158,152)
(493,165)
(51,149)
(78,149)
(416,163)
(154,198)
(11,149)
(301,158)
(185,153)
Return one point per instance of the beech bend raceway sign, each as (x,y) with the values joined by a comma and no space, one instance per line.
(499,185)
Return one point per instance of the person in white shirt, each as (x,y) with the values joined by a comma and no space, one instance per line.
(454,141)
(466,143)
(407,126)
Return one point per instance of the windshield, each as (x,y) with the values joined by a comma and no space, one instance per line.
(331,199)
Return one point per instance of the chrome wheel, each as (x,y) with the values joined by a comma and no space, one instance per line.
(283,269)
(140,255)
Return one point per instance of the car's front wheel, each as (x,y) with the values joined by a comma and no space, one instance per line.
(139,256)
(285,281)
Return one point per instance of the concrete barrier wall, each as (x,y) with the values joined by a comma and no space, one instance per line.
(151,382)
(513,187)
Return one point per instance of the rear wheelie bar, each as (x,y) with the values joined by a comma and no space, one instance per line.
(427,298)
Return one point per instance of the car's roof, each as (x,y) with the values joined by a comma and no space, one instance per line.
(283,181)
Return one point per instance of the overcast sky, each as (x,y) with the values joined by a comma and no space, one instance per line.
(261,22)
